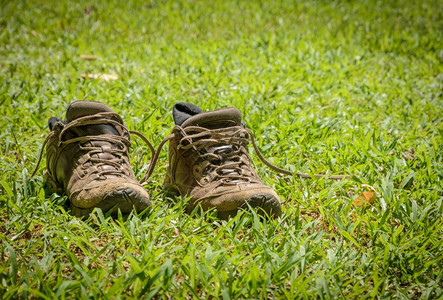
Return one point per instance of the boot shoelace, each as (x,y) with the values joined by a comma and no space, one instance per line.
(222,153)
(236,135)
(236,168)
(122,143)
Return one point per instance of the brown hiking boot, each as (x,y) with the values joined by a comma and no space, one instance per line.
(208,160)
(87,158)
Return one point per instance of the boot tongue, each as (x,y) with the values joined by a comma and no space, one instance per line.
(85,108)
(225,117)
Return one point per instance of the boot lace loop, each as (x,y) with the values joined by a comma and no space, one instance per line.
(222,152)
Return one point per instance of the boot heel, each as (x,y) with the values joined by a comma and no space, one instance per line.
(50,186)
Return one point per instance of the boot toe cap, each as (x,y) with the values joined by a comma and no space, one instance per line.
(123,197)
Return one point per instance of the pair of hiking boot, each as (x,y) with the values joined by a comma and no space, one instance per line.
(87,157)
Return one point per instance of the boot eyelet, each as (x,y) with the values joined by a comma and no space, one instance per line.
(204,180)
(197,170)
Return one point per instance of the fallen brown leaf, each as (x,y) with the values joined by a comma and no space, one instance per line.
(409,155)
(368,197)
(87,57)
(104,77)
(176,231)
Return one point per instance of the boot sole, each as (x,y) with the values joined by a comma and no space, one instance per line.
(265,204)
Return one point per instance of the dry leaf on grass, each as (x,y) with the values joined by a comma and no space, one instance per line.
(367,197)
(176,231)
(410,155)
(104,77)
(87,57)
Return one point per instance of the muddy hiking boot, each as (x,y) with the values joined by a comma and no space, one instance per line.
(208,160)
(87,158)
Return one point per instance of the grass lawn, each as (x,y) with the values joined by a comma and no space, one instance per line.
(334,87)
